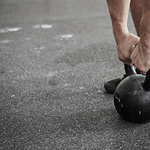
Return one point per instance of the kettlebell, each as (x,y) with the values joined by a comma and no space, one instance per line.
(132,96)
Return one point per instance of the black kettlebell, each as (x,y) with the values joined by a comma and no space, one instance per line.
(132,96)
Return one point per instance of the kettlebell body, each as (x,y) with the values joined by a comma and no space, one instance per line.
(132,99)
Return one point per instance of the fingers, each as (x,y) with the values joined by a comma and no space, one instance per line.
(126,61)
(139,60)
(143,70)
(129,63)
(143,73)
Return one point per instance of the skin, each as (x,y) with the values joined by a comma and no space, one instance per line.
(119,9)
(136,12)
(141,54)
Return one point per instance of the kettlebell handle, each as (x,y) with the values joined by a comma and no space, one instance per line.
(146,83)
(130,70)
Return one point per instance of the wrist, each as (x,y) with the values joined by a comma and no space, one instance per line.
(120,30)
(120,33)
(145,45)
(145,33)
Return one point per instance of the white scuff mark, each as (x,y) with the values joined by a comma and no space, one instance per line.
(140,113)
(14,29)
(66,84)
(42,26)
(5,41)
(63,71)
(36,49)
(42,47)
(12,96)
(38,52)
(99,91)
(65,36)
(46,26)
(27,38)
(5,30)
(81,88)
(50,74)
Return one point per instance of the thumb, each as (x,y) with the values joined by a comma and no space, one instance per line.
(134,53)
(133,48)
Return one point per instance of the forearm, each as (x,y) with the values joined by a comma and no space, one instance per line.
(119,10)
(145,27)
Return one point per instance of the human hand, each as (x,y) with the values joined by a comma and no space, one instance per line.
(125,45)
(141,59)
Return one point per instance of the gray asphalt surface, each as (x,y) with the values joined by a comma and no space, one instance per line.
(55,56)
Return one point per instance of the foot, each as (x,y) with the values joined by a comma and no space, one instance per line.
(111,85)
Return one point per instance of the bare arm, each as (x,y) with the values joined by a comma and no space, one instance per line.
(145,26)
(119,10)
(141,54)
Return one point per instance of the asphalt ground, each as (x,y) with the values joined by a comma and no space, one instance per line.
(55,56)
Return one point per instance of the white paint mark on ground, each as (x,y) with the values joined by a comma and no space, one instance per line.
(65,36)
(27,38)
(99,91)
(50,74)
(38,52)
(66,84)
(5,41)
(42,47)
(37,49)
(12,96)
(5,30)
(42,26)
(81,88)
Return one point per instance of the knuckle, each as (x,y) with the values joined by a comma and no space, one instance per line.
(120,58)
